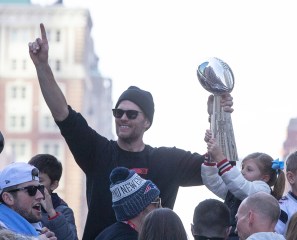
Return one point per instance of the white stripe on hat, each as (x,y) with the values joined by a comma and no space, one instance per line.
(124,189)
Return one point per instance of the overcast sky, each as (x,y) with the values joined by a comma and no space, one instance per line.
(158,44)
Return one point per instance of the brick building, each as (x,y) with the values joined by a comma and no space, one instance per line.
(25,120)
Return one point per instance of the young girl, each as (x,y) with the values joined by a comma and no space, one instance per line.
(259,173)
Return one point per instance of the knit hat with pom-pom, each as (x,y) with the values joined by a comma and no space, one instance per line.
(131,194)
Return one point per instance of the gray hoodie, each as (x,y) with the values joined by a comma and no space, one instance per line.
(266,236)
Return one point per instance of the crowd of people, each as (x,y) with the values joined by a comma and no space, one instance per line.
(132,186)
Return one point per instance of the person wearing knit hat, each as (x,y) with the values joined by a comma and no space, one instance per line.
(132,199)
(168,167)
(20,200)
(141,98)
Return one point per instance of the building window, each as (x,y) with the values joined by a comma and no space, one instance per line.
(58,65)
(18,92)
(13,64)
(13,35)
(17,122)
(48,124)
(12,121)
(46,148)
(47,121)
(23,92)
(19,150)
(53,147)
(19,35)
(22,121)
(13,92)
(24,64)
(58,36)
(18,108)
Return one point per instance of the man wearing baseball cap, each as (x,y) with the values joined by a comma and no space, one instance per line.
(20,200)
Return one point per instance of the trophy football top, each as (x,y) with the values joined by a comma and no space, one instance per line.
(216,76)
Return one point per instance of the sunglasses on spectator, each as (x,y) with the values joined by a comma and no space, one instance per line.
(157,202)
(131,114)
(31,190)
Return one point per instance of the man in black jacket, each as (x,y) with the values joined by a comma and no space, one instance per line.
(168,168)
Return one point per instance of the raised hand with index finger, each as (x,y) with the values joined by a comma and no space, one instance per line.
(39,48)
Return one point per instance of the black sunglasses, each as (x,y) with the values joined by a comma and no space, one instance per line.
(32,190)
(131,114)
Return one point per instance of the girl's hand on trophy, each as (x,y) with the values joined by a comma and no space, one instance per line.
(215,151)
(227,102)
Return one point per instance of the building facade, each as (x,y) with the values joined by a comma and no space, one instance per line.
(290,144)
(25,120)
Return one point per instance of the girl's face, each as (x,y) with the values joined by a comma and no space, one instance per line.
(251,171)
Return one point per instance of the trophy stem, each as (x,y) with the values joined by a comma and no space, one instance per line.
(222,130)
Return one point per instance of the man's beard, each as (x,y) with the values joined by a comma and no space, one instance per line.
(29,217)
(133,137)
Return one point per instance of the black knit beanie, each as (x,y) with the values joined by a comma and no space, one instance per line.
(141,98)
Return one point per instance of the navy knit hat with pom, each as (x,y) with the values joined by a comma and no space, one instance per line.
(131,194)
(141,98)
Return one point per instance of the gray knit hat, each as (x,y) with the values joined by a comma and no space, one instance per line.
(131,194)
(141,98)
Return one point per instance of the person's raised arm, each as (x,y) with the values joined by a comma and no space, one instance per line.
(51,92)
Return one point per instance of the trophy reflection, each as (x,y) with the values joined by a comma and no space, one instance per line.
(216,77)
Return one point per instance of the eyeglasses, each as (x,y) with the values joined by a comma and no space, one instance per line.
(157,202)
(32,190)
(131,114)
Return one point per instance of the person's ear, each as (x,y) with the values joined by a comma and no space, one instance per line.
(8,199)
(265,178)
(251,217)
(147,123)
(54,185)
(290,177)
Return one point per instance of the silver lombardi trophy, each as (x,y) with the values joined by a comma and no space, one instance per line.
(216,77)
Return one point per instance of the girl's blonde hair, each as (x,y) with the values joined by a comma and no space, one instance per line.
(277,177)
